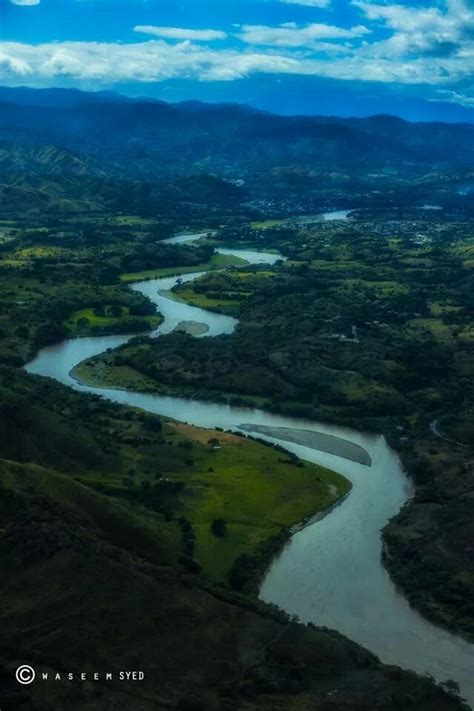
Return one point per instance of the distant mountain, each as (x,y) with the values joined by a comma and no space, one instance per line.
(150,139)
(47,178)
(290,94)
(282,94)
(24,96)
(89,147)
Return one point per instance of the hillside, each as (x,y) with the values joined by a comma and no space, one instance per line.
(71,542)
(50,160)
(149,138)
(67,151)
(86,570)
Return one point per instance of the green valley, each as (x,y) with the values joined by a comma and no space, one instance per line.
(253,485)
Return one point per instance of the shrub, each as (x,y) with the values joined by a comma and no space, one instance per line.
(219,527)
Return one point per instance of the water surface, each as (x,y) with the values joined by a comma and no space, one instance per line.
(329,573)
(183,239)
(336,215)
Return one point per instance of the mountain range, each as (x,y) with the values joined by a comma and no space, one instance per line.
(60,133)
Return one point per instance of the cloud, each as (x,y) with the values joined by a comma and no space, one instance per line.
(25,2)
(308,3)
(419,31)
(156,60)
(454,97)
(108,63)
(181,33)
(292,35)
(12,67)
(397,44)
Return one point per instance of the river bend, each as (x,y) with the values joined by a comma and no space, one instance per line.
(330,572)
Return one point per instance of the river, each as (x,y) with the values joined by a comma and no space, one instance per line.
(336,215)
(330,572)
(187,237)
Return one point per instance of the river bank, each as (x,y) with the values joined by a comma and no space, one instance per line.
(212,632)
(306,578)
(411,530)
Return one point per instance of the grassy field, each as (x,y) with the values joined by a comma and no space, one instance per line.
(132,220)
(225,306)
(99,374)
(381,288)
(254,488)
(333,266)
(218,261)
(47,251)
(87,321)
(435,326)
(438,309)
(163,272)
(266,224)
(257,490)
(141,478)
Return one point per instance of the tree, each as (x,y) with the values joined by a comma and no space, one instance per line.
(451,686)
(146,308)
(22,332)
(115,311)
(219,527)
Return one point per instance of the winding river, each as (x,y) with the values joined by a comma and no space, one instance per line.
(330,572)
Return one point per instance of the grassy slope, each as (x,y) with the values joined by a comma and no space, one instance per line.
(255,489)
(76,589)
(224,306)
(160,474)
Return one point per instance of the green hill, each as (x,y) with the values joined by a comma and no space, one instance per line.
(91,582)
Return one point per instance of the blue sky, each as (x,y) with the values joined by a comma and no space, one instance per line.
(198,49)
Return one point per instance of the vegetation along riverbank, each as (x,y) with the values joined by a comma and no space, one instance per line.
(386,344)
(131,541)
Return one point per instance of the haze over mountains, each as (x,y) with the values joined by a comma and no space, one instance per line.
(55,133)
(312,95)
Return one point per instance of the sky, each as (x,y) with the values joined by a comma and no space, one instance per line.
(289,55)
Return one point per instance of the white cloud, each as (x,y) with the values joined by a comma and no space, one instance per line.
(292,35)
(25,2)
(454,97)
(155,60)
(434,31)
(11,66)
(181,33)
(308,3)
(401,44)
